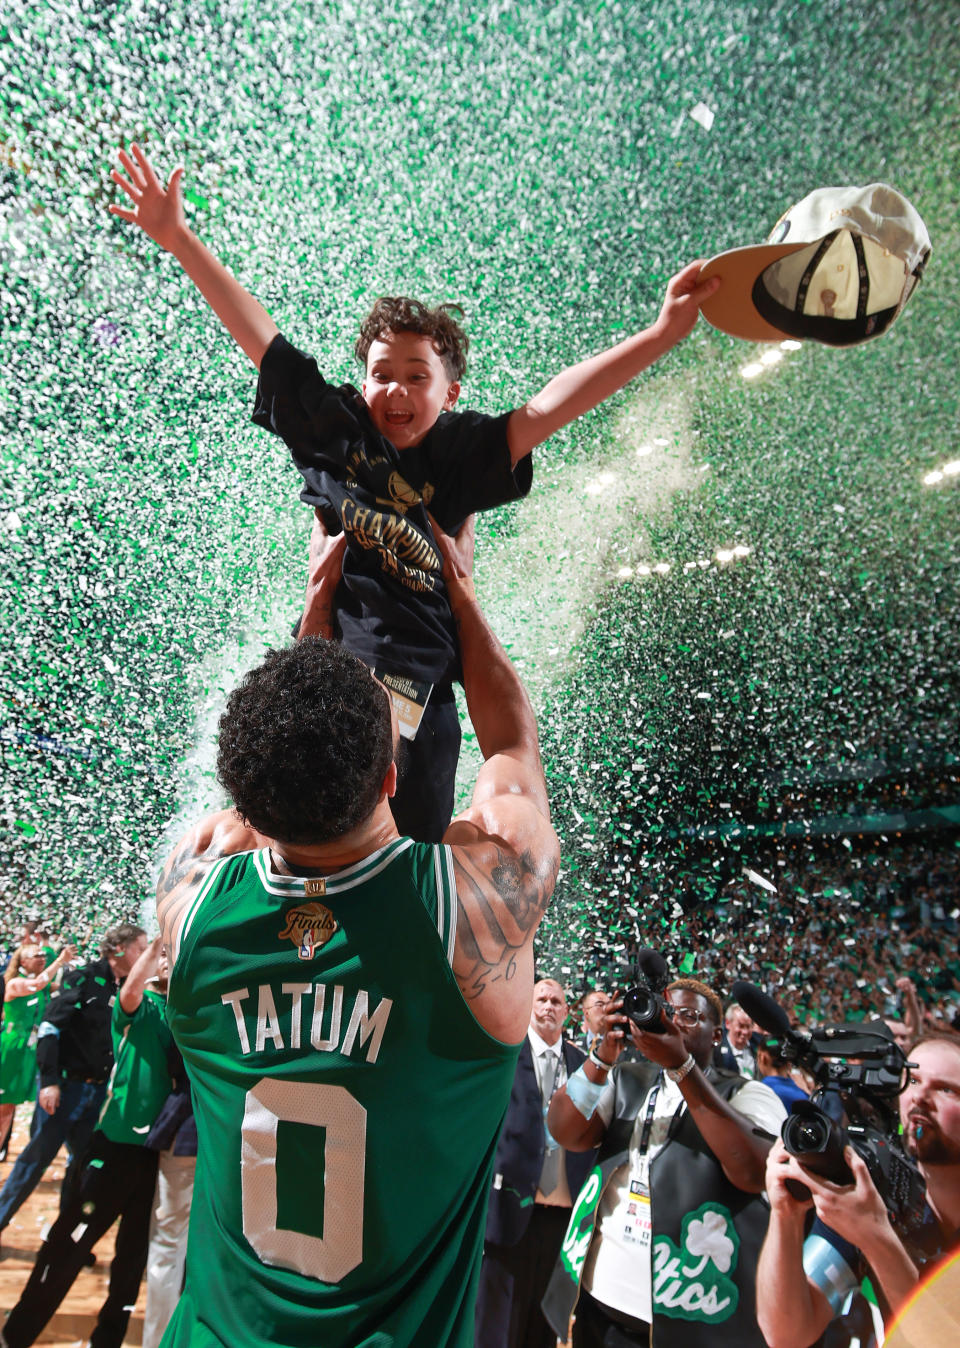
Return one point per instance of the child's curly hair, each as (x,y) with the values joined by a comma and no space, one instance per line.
(399,313)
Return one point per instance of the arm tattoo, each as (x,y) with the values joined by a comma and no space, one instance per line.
(499,909)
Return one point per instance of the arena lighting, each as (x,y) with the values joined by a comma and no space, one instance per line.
(951,469)
(722,555)
(773,355)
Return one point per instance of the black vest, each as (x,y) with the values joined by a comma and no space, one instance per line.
(707,1233)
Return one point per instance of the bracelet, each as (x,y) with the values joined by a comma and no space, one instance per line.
(678,1073)
(583,1093)
(460,591)
(594,1057)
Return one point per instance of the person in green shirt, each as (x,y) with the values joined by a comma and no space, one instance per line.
(118,1174)
(25,998)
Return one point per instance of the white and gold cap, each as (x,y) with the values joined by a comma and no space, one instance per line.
(837,268)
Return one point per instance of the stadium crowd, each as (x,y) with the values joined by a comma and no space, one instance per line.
(828,936)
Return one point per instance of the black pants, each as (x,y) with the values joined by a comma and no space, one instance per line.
(423,805)
(594,1328)
(116,1180)
(513,1279)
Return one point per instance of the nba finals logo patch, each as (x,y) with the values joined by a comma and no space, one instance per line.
(309,926)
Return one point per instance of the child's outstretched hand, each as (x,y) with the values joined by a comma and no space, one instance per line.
(681,304)
(157,210)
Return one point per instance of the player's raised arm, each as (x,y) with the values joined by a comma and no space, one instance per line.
(218,835)
(582,387)
(505,851)
(158,211)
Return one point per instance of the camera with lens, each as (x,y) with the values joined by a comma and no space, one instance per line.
(863,1066)
(644,1002)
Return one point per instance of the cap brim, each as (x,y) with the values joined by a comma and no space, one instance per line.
(731,308)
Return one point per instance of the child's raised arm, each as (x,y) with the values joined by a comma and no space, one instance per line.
(159,213)
(582,387)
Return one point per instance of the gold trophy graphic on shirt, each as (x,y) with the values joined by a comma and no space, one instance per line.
(309,926)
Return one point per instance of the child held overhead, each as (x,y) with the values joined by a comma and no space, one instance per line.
(375,460)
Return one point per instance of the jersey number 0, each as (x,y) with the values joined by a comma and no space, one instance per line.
(333,1255)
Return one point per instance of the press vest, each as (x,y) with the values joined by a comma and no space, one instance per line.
(706,1237)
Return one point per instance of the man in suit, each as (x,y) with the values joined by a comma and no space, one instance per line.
(591,1009)
(533,1184)
(737,1051)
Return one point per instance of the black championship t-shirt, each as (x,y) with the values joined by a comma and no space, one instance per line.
(391,604)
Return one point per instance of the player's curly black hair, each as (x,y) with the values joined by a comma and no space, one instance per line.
(305,743)
(399,313)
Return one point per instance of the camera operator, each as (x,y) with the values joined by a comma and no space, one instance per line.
(852,1235)
(667,1229)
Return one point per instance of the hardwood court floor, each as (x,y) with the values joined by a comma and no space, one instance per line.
(72,1324)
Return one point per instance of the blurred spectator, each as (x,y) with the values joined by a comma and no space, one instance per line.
(534,1180)
(25,997)
(174,1137)
(74,1057)
(773,1070)
(591,1024)
(737,1052)
(118,1173)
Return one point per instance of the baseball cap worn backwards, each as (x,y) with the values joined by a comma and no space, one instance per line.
(838,268)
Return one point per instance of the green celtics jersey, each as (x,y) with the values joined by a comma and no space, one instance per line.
(140,1080)
(347,1103)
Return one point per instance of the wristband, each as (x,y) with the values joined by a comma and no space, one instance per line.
(583,1093)
(678,1073)
(594,1057)
(460,592)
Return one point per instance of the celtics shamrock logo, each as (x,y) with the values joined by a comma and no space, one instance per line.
(692,1283)
(707,1237)
(576,1242)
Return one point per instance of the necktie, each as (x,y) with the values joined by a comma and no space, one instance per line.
(549,1078)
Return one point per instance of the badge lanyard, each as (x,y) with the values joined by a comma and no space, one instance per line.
(648,1126)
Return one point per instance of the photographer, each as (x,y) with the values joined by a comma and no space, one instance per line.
(852,1235)
(667,1229)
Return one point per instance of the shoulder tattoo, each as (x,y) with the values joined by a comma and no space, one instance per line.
(183,875)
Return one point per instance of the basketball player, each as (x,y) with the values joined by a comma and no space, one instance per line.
(349,1004)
